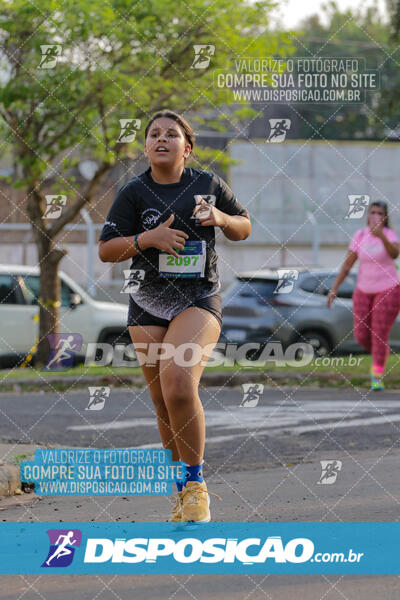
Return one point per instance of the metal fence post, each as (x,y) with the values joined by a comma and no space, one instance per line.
(315,240)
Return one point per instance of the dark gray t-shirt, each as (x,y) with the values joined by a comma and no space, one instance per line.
(142,204)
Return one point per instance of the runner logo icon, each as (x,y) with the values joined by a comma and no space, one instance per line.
(133,279)
(330,471)
(129,128)
(54,206)
(202,209)
(279,129)
(287,278)
(62,350)
(50,54)
(203,54)
(251,394)
(98,396)
(357,206)
(62,547)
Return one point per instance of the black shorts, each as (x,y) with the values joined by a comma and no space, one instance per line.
(138,316)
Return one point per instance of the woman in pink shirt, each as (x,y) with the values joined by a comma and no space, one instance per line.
(376,298)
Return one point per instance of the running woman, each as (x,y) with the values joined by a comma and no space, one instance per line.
(165,219)
(376,298)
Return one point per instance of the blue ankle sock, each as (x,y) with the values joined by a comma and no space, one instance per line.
(194,473)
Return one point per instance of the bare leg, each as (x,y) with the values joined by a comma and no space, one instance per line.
(148,334)
(180,384)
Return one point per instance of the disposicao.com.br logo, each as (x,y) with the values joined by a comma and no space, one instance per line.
(215,547)
(212,550)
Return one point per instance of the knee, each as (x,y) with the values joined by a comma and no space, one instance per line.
(176,388)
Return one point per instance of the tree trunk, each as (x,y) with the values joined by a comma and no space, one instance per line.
(50,296)
(49,259)
(50,256)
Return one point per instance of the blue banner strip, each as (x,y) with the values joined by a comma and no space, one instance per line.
(218,548)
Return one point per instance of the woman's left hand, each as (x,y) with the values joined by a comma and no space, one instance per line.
(209,214)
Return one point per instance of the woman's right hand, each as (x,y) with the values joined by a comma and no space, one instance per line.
(164,238)
(331,297)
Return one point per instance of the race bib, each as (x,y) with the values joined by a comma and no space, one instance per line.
(190,263)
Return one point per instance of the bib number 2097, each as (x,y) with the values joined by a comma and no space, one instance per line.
(190,262)
(186,260)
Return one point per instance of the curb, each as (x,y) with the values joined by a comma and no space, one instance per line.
(230,379)
(9,479)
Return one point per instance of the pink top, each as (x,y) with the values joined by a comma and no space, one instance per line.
(377,271)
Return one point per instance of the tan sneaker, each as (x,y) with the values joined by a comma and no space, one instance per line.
(195,502)
(176,516)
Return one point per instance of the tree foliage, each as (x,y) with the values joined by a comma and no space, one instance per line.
(118,60)
(356,33)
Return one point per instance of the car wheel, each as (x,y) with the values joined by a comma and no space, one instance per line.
(320,343)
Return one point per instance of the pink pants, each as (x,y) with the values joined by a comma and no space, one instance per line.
(374,315)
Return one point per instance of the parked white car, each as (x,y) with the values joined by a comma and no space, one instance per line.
(79,313)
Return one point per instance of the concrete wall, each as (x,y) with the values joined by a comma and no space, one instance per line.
(278,184)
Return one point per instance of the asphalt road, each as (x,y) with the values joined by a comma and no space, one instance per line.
(263,461)
(286,425)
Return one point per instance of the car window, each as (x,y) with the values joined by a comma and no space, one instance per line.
(30,285)
(310,284)
(31,290)
(259,289)
(65,294)
(8,290)
(346,288)
(322,284)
